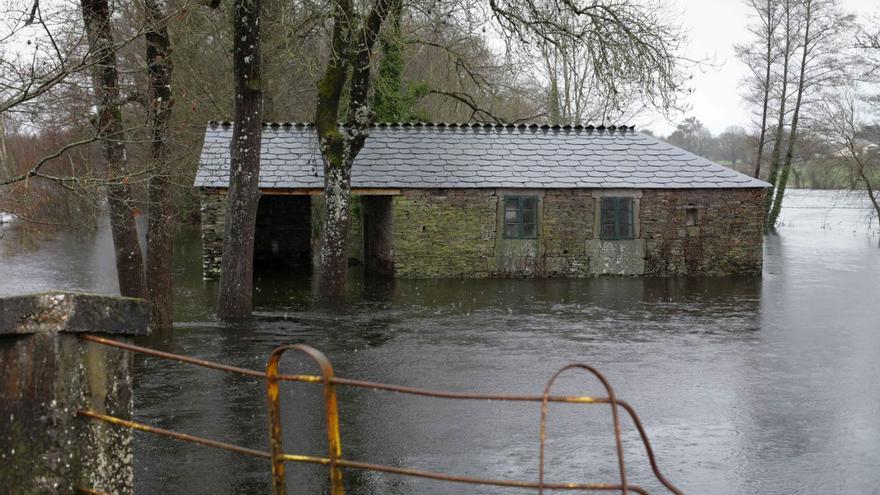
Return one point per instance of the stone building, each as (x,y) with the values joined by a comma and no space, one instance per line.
(475,200)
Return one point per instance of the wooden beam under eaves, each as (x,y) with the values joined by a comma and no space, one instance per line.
(360,191)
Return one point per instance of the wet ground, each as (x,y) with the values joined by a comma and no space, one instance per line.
(759,385)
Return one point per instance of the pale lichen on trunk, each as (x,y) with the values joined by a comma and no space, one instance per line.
(236,276)
(334,242)
(349,65)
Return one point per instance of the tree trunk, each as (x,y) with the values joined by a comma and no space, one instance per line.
(780,125)
(237,266)
(871,194)
(337,224)
(349,62)
(792,136)
(160,219)
(129,261)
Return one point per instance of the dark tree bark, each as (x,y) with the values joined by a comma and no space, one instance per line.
(160,219)
(339,144)
(237,266)
(109,127)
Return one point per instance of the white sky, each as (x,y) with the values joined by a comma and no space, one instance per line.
(714,27)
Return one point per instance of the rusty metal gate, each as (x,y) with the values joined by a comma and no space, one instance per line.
(337,464)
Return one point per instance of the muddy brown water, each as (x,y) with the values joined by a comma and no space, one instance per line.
(746,385)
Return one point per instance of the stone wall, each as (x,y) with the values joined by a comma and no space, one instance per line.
(455,233)
(726,239)
(444,233)
(567,226)
(213,206)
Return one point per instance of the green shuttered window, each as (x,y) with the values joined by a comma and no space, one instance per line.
(520,217)
(617,219)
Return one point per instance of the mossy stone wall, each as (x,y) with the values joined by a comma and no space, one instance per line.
(456,233)
(444,233)
(727,238)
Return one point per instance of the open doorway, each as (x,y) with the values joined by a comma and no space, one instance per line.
(377,235)
(282,242)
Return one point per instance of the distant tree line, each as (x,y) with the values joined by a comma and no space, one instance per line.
(820,160)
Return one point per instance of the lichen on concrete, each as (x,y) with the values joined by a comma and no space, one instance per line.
(48,374)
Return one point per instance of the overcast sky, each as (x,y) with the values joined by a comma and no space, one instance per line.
(715,26)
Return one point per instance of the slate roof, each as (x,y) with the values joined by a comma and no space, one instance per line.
(477,156)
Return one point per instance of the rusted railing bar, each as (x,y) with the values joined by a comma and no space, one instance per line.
(344,381)
(647,443)
(174,357)
(173,434)
(417,473)
(466,395)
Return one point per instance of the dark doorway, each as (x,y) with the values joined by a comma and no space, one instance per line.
(377,226)
(282,243)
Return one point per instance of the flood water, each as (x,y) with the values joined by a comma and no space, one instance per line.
(764,385)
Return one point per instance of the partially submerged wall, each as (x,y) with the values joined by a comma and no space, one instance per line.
(444,233)
(456,233)
(727,237)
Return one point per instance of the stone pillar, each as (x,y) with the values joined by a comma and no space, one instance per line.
(47,374)
(213,207)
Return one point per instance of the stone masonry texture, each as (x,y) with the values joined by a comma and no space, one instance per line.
(456,233)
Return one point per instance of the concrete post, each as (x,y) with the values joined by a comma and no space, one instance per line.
(47,374)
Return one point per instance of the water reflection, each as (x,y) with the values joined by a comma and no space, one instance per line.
(746,385)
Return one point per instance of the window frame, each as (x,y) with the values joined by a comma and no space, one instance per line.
(691,216)
(519,223)
(617,212)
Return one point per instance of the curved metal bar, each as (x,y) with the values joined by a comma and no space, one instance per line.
(611,400)
(648,450)
(331,409)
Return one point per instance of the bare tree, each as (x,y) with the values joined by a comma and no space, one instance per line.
(824,62)
(353,38)
(160,216)
(760,56)
(577,91)
(733,144)
(110,131)
(236,277)
(693,136)
(842,124)
(787,44)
